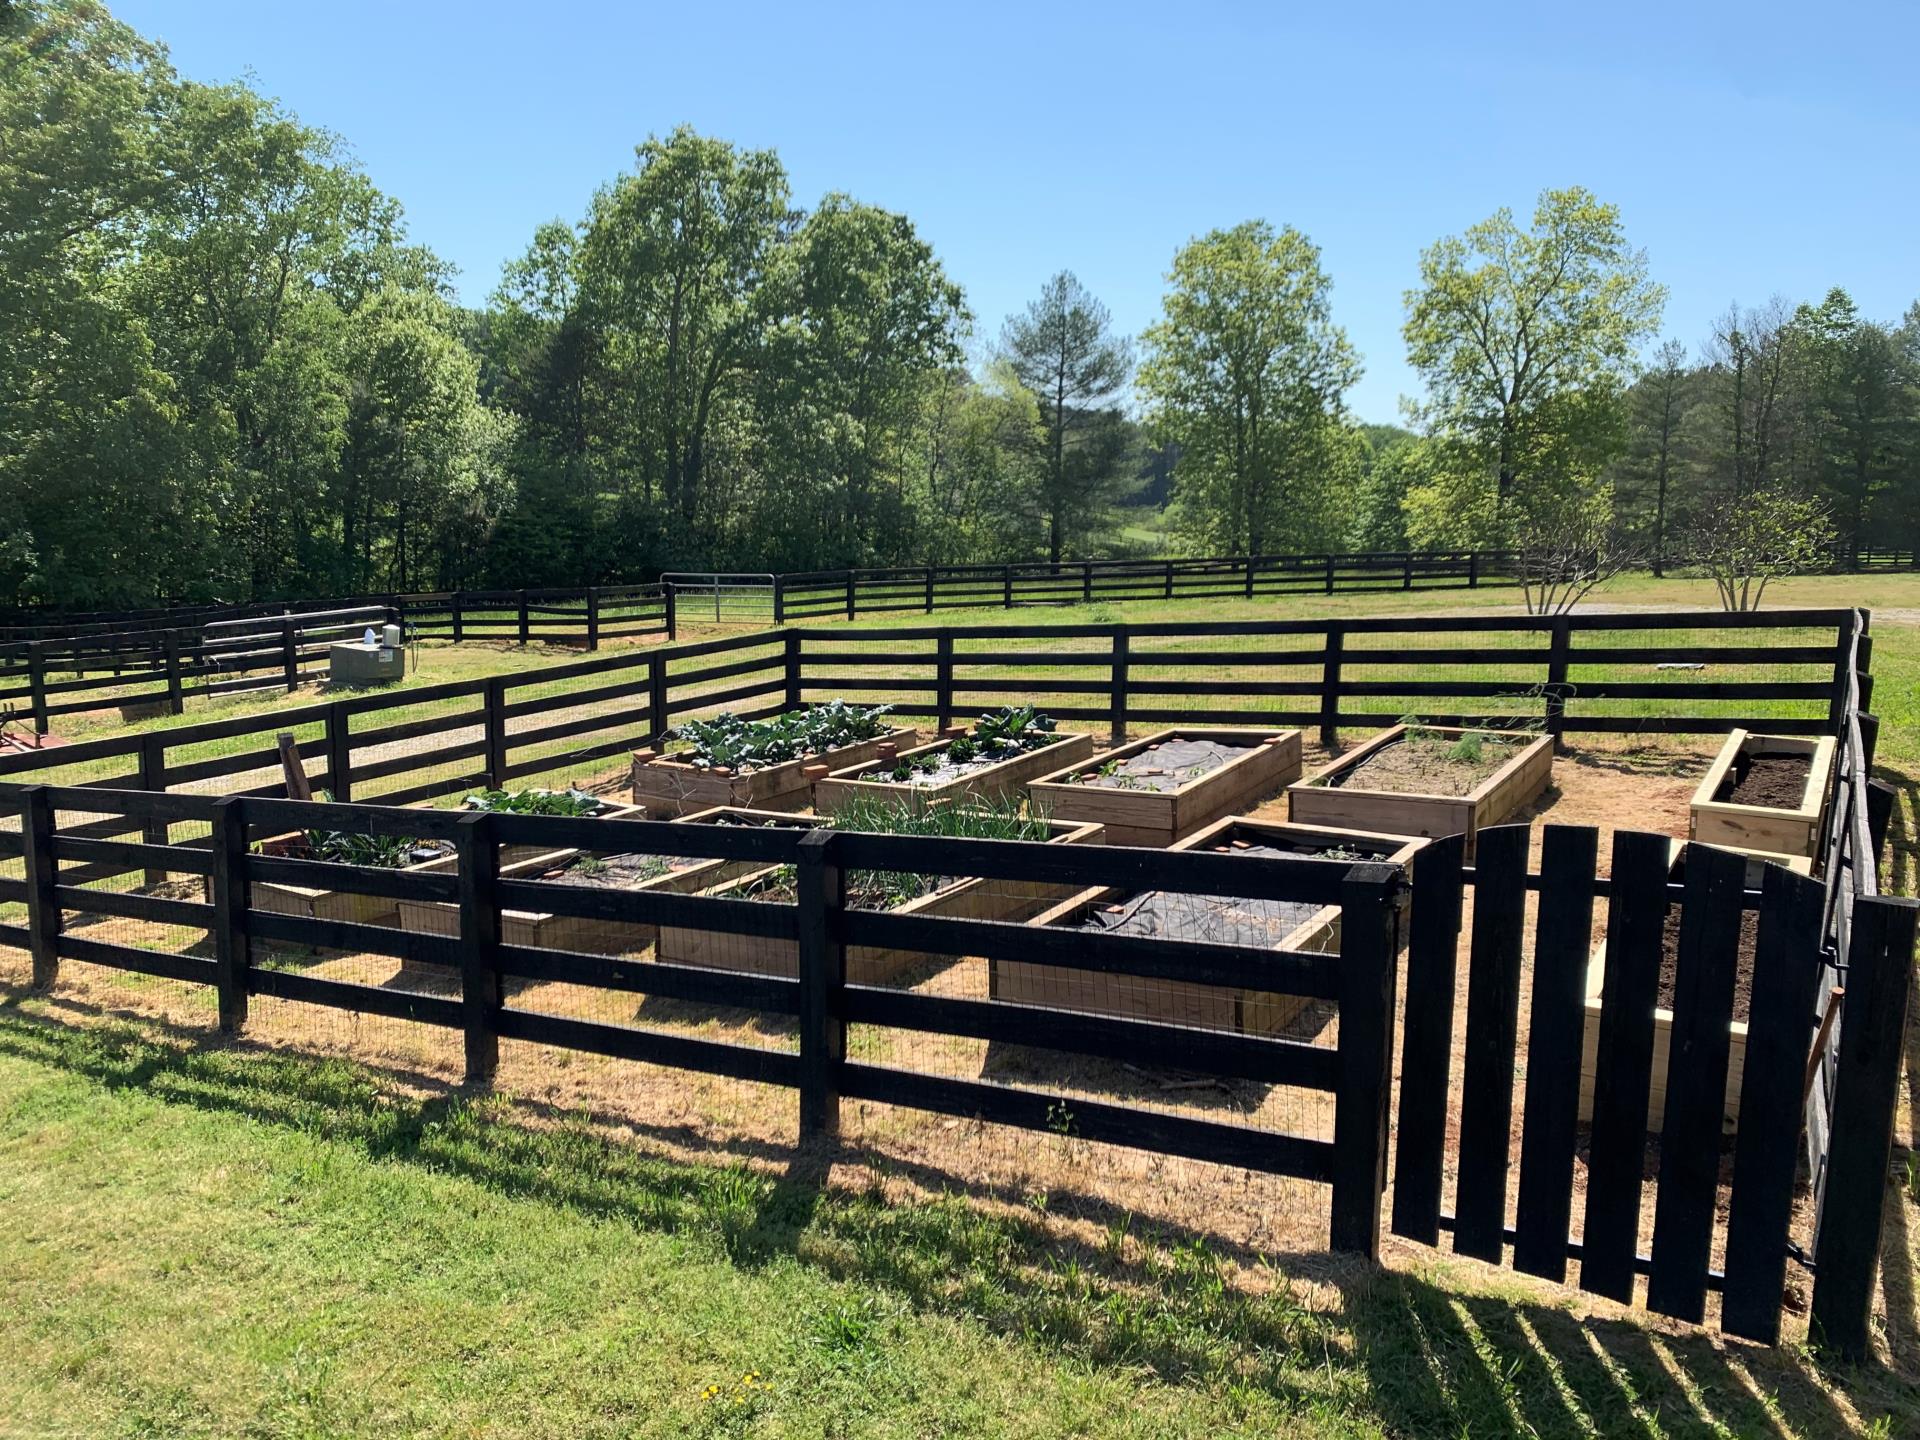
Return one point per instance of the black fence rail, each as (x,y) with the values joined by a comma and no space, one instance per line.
(63,865)
(147,672)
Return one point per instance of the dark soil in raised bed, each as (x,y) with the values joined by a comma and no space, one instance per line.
(1302,852)
(1743,963)
(1166,766)
(1779,781)
(1167,915)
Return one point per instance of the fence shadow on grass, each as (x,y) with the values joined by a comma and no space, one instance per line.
(1423,1358)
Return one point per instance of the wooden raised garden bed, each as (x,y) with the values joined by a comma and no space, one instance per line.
(1275,924)
(678,874)
(1764,792)
(1394,785)
(1757,862)
(1157,790)
(318,904)
(670,787)
(947,784)
(967,899)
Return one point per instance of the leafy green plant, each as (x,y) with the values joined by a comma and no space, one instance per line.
(1467,749)
(726,742)
(534,802)
(343,847)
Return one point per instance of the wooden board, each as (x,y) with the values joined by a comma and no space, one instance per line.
(1783,830)
(1160,817)
(1516,784)
(1663,1018)
(998,781)
(974,899)
(672,788)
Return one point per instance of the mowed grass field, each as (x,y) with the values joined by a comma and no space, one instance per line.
(229,1240)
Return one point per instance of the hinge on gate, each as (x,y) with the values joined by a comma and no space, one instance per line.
(1800,1257)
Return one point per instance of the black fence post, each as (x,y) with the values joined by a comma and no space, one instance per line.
(1006,579)
(1330,688)
(1559,648)
(673,609)
(153,777)
(1842,672)
(659,702)
(1329,569)
(1869,738)
(459,617)
(821,895)
(1249,586)
(943,681)
(929,589)
(1086,582)
(43,907)
(792,662)
(232,949)
(779,599)
(479,864)
(524,628)
(1880,798)
(1169,580)
(37,684)
(593,617)
(1117,704)
(1860,1144)
(1473,570)
(1407,561)
(851,602)
(1369,943)
(339,752)
(289,655)
(496,728)
(176,688)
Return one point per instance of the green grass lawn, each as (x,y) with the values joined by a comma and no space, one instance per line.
(225,1241)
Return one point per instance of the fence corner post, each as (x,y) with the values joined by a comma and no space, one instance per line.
(37,684)
(176,686)
(43,906)
(1117,700)
(821,891)
(1860,1145)
(496,731)
(1330,687)
(229,891)
(479,863)
(1558,654)
(1369,945)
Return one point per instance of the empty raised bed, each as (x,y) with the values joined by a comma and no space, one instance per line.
(1268,924)
(678,874)
(900,894)
(1428,780)
(1157,790)
(1669,972)
(759,764)
(995,760)
(1764,792)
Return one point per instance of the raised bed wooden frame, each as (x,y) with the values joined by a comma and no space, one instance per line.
(972,899)
(1158,818)
(1663,1017)
(548,931)
(670,788)
(1316,801)
(1782,831)
(990,782)
(1173,1001)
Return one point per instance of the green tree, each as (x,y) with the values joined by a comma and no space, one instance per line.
(1245,372)
(1063,349)
(1508,322)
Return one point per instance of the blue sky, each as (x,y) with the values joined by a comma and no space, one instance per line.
(1753,149)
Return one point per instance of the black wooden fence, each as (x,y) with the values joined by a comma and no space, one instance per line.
(819,924)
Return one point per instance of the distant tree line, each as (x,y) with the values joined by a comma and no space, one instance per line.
(225,372)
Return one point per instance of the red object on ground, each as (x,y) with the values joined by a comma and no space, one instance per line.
(28,744)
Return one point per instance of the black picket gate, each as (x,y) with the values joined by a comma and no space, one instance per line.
(1630,1049)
